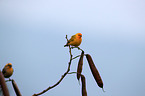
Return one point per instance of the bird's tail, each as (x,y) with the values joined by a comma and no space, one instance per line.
(65,45)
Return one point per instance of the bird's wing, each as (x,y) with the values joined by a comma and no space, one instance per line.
(72,38)
(4,70)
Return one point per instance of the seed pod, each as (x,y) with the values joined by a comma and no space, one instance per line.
(84,92)
(17,91)
(94,71)
(3,85)
(80,65)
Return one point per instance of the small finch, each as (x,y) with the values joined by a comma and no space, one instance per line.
(75,40)
(7,70)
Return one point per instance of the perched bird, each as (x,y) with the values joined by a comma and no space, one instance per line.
(75,40)
(7,70)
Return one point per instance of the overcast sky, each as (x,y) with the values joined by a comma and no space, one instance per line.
(32,36)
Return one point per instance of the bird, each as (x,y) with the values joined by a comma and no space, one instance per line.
(75,40)
(8,70)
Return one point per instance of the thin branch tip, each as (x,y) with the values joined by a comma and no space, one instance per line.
(62,77)
(67,72)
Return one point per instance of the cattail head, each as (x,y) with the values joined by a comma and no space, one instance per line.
(94,71)
(80,65)
(84,91)
(17,91)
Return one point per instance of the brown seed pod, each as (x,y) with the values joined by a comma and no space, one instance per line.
(3,85)
(84,92)
(94,71)
(80,65)
(17,91)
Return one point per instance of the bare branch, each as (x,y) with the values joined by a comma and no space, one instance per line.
(72,73)
(8,80)
(62,77)
(77,48)
(76,57)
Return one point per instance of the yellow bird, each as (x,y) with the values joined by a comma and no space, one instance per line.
(75,40)
(7,70)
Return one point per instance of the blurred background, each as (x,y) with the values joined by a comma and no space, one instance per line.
(32,38)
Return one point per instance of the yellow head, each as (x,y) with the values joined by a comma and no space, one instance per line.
(9,65)
(79,35)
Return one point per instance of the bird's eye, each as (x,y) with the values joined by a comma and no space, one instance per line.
(10,65)
(80,35)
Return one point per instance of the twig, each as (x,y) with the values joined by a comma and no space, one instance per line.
(8,80)
(72,73)
(76,57)
(62,77)
(78,48)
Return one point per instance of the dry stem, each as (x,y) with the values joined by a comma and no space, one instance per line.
(62,77)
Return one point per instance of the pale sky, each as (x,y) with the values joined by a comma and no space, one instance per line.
(32,36)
